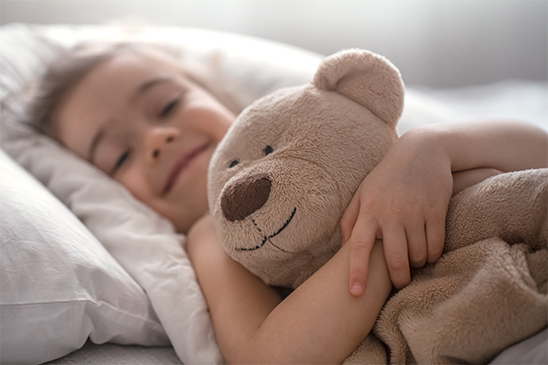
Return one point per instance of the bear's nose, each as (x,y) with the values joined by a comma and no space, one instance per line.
(244,196)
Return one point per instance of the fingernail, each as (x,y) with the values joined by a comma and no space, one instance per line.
(357,289)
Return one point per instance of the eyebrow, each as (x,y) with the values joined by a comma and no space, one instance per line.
(149,84)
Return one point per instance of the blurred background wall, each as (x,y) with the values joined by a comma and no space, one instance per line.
(446,43)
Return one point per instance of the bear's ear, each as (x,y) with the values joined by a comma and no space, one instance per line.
(366,78)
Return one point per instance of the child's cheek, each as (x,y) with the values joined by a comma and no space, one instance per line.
(139,184)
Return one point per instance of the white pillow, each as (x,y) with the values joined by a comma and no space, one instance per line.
(142,242)
(59,285)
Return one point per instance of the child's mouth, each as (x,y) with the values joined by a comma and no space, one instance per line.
(181,165)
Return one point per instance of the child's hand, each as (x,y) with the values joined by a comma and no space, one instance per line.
(403,201)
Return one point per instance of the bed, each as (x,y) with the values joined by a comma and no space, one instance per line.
(83,275)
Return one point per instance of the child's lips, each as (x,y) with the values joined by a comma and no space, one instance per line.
(181,165)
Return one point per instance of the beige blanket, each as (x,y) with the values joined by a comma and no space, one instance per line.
(489,289)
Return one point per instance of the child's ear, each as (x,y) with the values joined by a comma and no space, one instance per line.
(366,78)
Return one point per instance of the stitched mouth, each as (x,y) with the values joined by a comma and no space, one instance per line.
(265,237)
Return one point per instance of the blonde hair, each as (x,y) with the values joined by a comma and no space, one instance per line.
(62,76)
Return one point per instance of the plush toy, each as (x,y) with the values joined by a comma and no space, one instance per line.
(290,164)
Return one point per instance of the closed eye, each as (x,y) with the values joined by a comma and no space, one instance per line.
(120,161)
(170,107)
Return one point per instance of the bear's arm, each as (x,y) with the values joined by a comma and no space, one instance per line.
(319,322)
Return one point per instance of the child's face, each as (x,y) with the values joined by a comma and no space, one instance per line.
(140,120)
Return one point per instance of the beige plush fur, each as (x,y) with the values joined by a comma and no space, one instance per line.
(288,167)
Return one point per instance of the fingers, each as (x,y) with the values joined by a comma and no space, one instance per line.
(408,242)
(361,241)
(417,245)
(397,259)
(435,236)
(348,220)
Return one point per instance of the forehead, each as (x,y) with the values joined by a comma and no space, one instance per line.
(133,66)
(119,76)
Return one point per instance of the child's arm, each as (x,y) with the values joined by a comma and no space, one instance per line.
(320,322)
(405,198)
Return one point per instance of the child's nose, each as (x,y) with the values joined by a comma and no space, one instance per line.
(156,139)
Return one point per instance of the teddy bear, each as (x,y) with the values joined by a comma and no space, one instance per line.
(321,140)
(289,165)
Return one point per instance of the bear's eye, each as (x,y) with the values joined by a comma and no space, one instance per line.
(233,163)
(268,150)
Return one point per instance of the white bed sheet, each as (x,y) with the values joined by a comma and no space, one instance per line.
(92,354)
(524,100)
(531,351)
